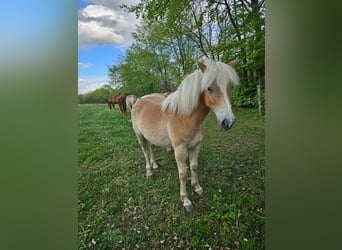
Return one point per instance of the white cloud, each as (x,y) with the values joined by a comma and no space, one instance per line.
(88,85)
(82,65)
(105,23)
(113,4)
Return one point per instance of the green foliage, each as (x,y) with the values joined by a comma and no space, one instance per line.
(174,34)
(97,96)
(139,71)
(246,96)
(119,208)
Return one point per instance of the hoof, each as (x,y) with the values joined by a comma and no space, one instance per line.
(187,204)
(199,191)
(149,175)
(155,165)
(188,208)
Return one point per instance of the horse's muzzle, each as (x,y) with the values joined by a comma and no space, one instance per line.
(227,124)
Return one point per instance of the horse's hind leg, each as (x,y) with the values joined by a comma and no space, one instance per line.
(193,157)
(143,143)
(153,161)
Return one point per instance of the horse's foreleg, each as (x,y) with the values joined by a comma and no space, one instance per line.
(143,144)
(120,106)
(193,156)
(153,161)
(109,105)
(124,107)
(181,154)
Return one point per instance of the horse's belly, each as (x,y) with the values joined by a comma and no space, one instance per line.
(149,121)
(156,133)
(159,139)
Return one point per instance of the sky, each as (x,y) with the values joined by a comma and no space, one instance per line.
(104,34)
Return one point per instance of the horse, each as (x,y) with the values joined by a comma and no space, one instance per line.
(131,100)
(119,99)
(178,120)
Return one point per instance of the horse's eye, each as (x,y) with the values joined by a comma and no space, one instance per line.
(210,90)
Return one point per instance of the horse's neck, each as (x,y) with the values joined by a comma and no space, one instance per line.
(200,113)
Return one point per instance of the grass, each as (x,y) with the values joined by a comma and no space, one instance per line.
(119,208)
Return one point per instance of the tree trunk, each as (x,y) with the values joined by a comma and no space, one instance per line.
(259,98)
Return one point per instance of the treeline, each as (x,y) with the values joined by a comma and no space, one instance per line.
(98,96)
(243,96)
(174,34)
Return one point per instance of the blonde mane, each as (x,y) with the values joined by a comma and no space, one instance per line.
(186,98)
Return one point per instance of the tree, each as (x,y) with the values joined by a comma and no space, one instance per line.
(114,75)
(97,96)
(176,33)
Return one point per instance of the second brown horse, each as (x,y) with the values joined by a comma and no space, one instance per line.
(119,99)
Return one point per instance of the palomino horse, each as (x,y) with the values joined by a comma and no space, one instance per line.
(119,99)
(131,100)
(178,119)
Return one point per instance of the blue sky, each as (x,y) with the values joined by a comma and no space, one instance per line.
(104,34)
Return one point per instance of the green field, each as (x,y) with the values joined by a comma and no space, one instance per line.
(119,208)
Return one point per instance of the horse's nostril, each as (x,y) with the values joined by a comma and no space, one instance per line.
(225,124)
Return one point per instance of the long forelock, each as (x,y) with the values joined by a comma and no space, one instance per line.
(185,99)
(220,72)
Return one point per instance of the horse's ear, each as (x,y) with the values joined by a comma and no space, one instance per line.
(201,66)
(232,63)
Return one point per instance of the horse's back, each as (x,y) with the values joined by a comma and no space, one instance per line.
(132,97)
(117,98)
(147,107)
(121,98)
